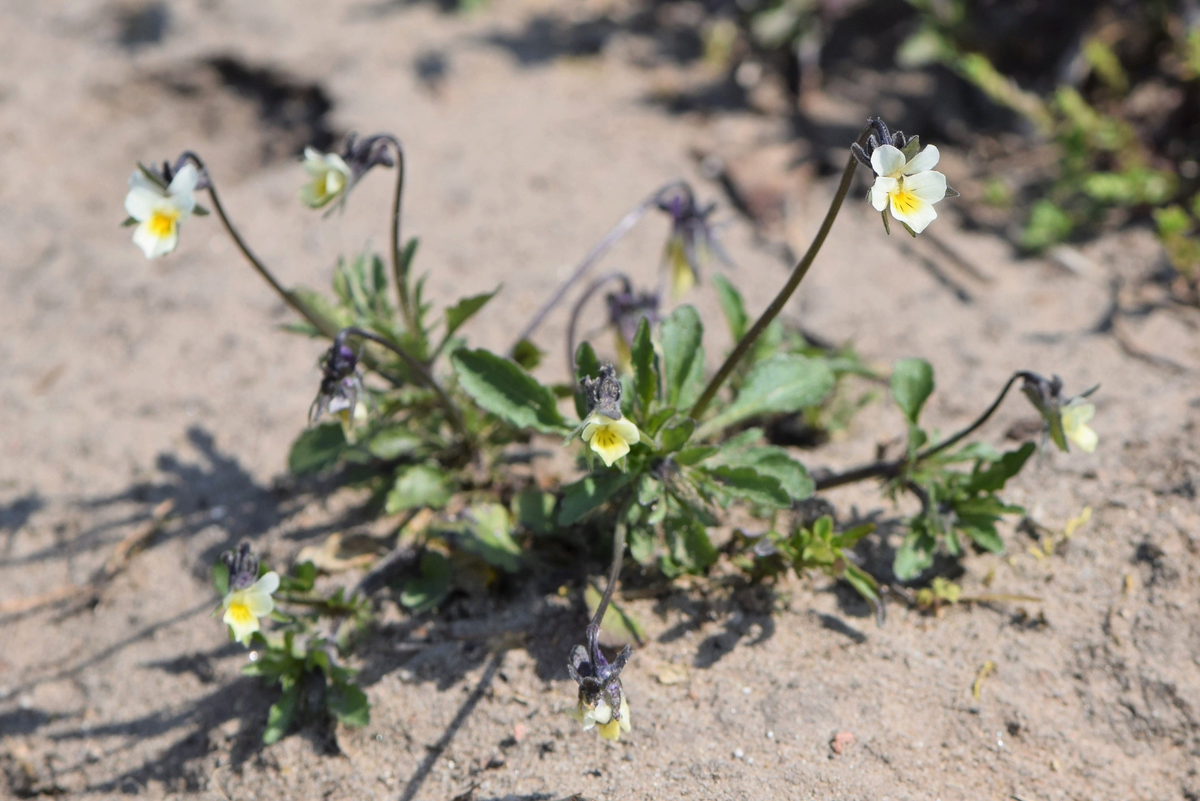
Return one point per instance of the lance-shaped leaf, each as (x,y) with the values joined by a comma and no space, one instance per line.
(465,309)
(683,356)
(504,389)
(645,368)
(782,384)
(732,306)
(589,493)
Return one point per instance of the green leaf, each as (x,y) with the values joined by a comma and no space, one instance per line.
(588,493)
(282,713)
(683,356)
(656,421)
(997,474)
(465,309)
(489,536)
(527,354)
(675,436)
(916,554)
(504,389)
(534,510)
(424,593)
(982,532)
(749,485)
(645,368)
(782,384)
(317,449)
(326,316)
(769,460)
(690,456)
(349,704)
(912,383)
(220,579)
(393,442)
(861,581)
(419,485)
(302,578)
(691,550)
(850,537)
(586,366)
(618,624)
(731,306)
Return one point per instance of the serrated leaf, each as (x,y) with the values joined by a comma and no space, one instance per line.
(912,383)
(772,461)
(732,306)
(465,309)
(588,493)
(645,368)
(504,389)
(683,356)
(691,456)
(417,486)
(982,532)
(317,449)
(782,384)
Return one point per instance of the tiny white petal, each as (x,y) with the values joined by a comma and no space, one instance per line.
(888,161)
(185,180)
(927,159)
(141,202)
(138,180)
(930,186)
(268,583)
(880,190)
(918,214)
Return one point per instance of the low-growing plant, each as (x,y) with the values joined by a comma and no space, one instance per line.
(669,451)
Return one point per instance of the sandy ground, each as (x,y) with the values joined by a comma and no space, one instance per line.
(128,383)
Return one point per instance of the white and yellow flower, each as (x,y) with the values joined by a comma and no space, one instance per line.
(244,607)
(1075,417)
(159,211)
(329,177)
(601,717)
(907,188)
(608,437)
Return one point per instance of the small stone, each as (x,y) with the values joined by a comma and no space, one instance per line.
(841,741)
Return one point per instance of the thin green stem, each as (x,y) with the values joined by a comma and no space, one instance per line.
(399,268)
(785,294)
(420,370)
(288,297)
(614,572)
(894,467)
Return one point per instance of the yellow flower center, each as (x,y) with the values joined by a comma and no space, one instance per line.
(162,223)
(605,438)
(904,202)
(239,613)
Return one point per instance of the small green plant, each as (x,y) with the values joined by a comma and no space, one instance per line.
(422,420)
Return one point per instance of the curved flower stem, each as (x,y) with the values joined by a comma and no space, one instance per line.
(419,369)
(785,294)
(614,572)
(610,239)
(579,304)
(894,467)
(399,268)
(287,295)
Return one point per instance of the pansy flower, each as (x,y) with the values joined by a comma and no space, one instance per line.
(605,429)
(249,597)
(602,703)
(157,207)
(906,185)
(329,178)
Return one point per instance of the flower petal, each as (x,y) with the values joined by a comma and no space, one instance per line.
(888,161)
(269,583)
(151,243)
(138,180)
(916,212)
(626,430)
(611,730)
(185,181)
(880,191)
(927,159)
(930,186)
(141,202)
(260,604)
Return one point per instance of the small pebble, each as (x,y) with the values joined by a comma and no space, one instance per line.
(739,754)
